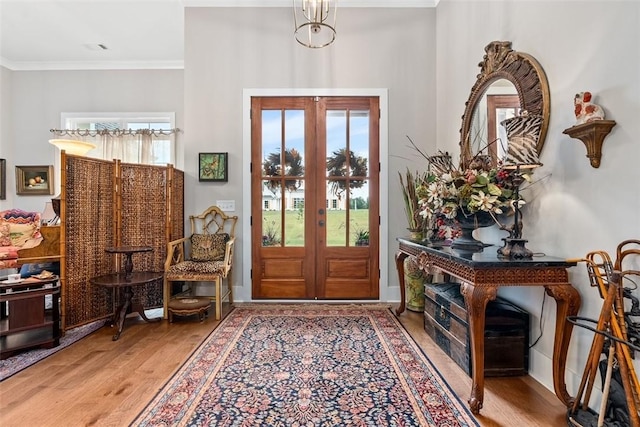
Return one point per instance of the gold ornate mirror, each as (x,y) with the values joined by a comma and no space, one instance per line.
(508,83)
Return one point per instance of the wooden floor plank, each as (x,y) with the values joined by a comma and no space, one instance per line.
(99,382)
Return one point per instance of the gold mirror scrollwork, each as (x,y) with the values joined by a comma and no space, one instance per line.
(529,79)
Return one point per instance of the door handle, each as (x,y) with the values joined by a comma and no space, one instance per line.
(321,223)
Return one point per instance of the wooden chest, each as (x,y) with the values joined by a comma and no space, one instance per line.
(506,336)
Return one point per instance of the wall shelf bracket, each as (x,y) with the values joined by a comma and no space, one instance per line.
(592,134)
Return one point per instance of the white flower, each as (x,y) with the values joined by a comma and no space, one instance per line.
(485,202)
(434,199)
(446,177)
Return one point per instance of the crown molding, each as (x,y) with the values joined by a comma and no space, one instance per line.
(288,3)
(90,65)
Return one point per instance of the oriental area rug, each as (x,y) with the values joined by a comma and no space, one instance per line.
(307,365)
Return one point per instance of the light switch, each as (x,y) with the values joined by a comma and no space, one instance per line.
(226,205)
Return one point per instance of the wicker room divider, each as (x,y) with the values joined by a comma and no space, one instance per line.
(105,204)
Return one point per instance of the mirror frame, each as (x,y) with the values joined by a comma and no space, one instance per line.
(529,79)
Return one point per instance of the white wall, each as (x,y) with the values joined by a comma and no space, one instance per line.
(36,99)
(582,46)
(5,127)
(228,50)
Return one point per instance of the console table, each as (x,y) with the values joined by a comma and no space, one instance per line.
(481,274)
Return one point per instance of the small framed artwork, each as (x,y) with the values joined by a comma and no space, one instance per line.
(212,167)
(34,180)
(3,179)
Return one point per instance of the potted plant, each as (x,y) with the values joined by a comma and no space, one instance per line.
(362,237)
(412,207)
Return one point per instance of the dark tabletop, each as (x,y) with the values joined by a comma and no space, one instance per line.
(29,282)
(117,280)
(487,258)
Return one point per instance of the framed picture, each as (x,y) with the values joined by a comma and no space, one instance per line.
(3,179)
(34,180)
(212,167)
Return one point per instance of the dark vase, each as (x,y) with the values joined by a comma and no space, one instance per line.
(468,223)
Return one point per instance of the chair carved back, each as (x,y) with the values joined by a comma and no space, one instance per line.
(213,221)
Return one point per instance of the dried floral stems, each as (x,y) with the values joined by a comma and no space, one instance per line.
(411,203)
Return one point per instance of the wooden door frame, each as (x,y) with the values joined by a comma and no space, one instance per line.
(243,293)
(495,101)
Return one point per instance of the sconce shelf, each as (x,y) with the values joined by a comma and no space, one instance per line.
(592,134)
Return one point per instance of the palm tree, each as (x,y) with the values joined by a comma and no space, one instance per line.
(337,166)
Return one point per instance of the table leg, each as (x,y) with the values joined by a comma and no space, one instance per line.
(140,310)
(568,303)
(476,299)
(122,312)
(128,264)
(400,257)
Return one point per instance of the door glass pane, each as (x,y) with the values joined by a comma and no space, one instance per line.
(271,226)
(337,164)
(336,224)
(283,161)
(359,144)
(271,142)
(294,184)
(359,216)
(347,173)
(294,142)
(358,184)
(294,225)
(272,190)
(337,168)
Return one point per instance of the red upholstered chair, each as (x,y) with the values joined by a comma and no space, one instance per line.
(205,256)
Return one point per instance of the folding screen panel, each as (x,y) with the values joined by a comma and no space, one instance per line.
(87,211)
(105,204)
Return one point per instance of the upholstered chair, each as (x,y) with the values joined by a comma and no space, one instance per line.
(206,255)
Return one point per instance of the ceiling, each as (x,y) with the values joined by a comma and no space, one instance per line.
(137,34)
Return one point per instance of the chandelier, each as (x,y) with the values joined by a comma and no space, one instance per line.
(314,22)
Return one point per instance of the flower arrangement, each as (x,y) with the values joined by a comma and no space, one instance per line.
(456,193)
(445,194)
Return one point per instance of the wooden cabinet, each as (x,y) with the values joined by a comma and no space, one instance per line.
(25,321)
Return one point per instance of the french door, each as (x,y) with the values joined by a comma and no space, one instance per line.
(315,197)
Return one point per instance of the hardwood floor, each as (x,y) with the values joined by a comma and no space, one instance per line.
(508,401)
(99,382)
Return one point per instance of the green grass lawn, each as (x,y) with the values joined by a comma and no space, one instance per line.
(336,224)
